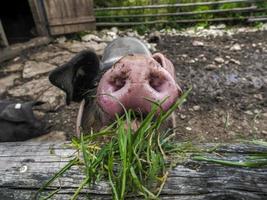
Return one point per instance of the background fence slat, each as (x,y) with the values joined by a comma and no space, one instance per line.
(258,19)
(245,9)
(176,5)
(171,22)
(215,11)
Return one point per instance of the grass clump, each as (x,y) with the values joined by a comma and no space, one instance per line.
(134,162)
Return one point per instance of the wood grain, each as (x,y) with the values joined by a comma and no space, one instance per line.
(69,16)
(26,166)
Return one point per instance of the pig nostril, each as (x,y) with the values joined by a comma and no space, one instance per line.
(117,83)
(156,80)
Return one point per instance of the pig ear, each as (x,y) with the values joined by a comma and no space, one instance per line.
(77,76)
(165,63)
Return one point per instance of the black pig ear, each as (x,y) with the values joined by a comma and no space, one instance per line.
(77,76)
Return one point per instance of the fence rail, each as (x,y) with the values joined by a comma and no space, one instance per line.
(176,21)
(258,19)
(176,5)
(117,20)
(245,9)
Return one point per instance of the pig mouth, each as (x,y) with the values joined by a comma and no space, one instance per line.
(136,119)
(134,125)
(137,114)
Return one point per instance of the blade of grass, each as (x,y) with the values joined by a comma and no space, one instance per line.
(123,156)
(246,163)
(160,147)
(140,186)
(164,178)
(147,121)
(259,142)
(177,104)
(85,157)
(143,131)
(51,194)
(110,173)
(148,152)
(106,131)
(59,173)
(157,104)
(77,192)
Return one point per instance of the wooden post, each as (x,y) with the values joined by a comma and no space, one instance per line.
(39,17)
(252,4)
(3,35)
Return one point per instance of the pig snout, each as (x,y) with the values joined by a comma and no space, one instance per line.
(132,82)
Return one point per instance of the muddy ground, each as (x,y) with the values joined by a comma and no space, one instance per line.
(229,80)
(228,75)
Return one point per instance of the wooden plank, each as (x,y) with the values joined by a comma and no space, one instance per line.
(245,9)
(169,21)
(70,28)
(14,50)
(26,166)
(69,12)
(176,5)
(68,16)
(38,17)
(3,35)
(67,21)
(54,11)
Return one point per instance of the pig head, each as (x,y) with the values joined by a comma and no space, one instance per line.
(127,75)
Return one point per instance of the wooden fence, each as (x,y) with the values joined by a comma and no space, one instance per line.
(250,13)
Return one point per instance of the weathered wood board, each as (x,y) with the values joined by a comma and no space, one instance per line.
(15,49)
(69,16)
(3,39)
(38,14)
(25,166)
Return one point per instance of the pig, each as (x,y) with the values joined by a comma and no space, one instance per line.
(18,121)
(128,74)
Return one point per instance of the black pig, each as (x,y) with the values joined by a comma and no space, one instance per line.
(128,73)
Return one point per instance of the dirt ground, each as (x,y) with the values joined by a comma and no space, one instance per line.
(229,79)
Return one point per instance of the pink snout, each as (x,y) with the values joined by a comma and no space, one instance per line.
(132,81)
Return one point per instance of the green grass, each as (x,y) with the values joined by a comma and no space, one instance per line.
(253,160)
(136,162)
(250,161)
